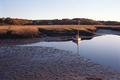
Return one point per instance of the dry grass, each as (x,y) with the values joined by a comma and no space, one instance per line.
(68,27)
(19,30)
(34,29)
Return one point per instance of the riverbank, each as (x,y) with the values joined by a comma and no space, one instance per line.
(40,63)
(32,31)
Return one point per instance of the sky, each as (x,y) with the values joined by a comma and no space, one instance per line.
(58,9)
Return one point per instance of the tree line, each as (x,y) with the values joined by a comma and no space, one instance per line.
(75,21)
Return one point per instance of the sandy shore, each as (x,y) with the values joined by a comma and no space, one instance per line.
(40,63)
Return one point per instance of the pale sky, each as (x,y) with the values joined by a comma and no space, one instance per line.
(53,9)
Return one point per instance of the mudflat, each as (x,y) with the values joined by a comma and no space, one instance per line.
(43,63)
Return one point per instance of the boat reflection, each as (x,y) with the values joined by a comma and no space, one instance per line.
(9,42)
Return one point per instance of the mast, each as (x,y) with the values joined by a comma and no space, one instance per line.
(78,49)
(78,37)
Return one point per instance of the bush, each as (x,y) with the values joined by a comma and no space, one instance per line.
(75,21)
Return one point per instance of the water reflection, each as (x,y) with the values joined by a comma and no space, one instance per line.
(11,42)
(77,40)
(104,49)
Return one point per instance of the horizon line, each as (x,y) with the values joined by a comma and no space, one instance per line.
(58,18)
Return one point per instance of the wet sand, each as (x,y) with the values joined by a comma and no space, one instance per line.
(41,63)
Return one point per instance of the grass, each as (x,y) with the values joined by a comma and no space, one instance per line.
(21,29)
(33,30)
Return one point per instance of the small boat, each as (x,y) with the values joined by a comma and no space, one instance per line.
(76,39)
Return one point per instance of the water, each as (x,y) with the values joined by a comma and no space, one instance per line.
(104,49)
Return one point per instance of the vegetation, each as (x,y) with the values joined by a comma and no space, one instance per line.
(11,21)
(75,21)
(30,31)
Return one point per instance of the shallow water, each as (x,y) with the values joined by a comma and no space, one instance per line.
(104,49)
